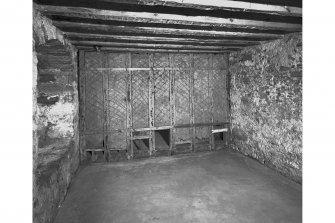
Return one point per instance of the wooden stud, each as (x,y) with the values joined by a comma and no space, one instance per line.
(151,105)
(228,107)
(211,100)
(172,103)
(81,78)
(130,145)
(192,129)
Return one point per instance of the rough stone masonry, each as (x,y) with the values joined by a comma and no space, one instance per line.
(266,104)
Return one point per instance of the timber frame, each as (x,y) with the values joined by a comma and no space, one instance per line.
(172,25)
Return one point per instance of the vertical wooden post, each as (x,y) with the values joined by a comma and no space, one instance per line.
(211,101)
(151,105)
(130,146)
(228,107)
(192,129)
(105,104)
(81,77)
(172,102)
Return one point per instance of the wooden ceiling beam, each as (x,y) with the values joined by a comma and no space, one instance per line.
(125,29)
(153,35)
(164,18)
(157,39)
(216,8)
(118,49)
(292,8)
(151,45)
(146,40)
(162,25)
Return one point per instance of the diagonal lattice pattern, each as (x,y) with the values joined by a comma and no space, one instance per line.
(201,61)
(117,97)
(118,60)
(181,60)
(162,98)
(201,97)
(220,102)
(94,104)
(139,60)
(117,140)
(161,60)
(182,97)
(94,59)
(140,99)
(202,134)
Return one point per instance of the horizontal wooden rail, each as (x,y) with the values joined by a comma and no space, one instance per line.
(148,69)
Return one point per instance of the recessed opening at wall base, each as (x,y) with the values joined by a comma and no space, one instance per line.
(140,148)
(96,156)
(220,140)
(117,155)
(182,147)
(202,145)
(162,139)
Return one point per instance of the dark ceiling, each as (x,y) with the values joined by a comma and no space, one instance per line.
(172,25)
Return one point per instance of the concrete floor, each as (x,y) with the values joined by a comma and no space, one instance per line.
(221,186)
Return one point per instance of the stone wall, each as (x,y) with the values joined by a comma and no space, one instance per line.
(266,104)
(55,118)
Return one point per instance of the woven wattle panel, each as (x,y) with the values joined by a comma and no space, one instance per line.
(181,60)
(162,98)
(201,97)
(117,140)
(118,60)
(220,103)
(182,97)
(202,134)
(201,61)
(182,134)
(117,100)
(94,110)
(140,99)
(94,114)
(140,60)
(94,60)
(161,60)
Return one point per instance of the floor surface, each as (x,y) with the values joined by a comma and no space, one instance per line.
(221,186)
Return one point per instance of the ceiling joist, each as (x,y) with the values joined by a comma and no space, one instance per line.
(172,25)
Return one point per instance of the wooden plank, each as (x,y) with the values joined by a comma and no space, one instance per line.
(203,37)
(167,31)
(116,49)
(200,124)
(152,46)
(225,9)
(172,102)
(141,137)
(165,18)
(162,40)
(148,69)
(130,145)
(151,105)
(191,99)
(172,44)
(219,130)
(151,128)
(183,142)
(82,138)
(211,100)
(179,3)
(242,5)
(209,27)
